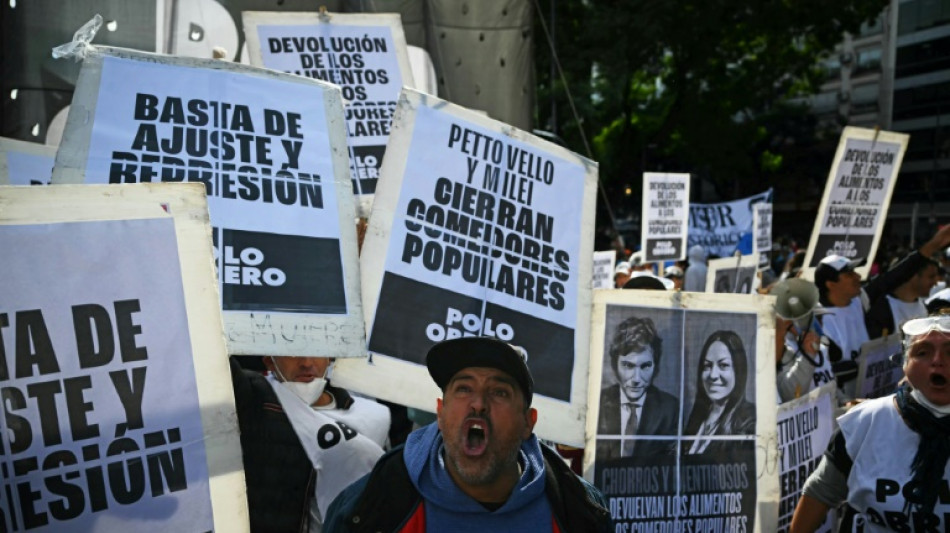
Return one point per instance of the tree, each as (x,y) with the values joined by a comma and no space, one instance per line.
(700,86)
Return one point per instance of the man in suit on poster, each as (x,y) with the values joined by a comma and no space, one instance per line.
(634,406)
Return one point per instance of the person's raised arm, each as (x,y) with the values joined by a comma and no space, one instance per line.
(809,515)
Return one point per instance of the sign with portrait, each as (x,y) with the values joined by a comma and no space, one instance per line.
(805,426)
(364,54)
(665,216)
(880,367)
(681,426)
(857,194)
(737,275)
(117,394)
(25,163)
(478,229)
(269,149)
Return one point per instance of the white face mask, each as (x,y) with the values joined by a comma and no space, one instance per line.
(937,410)
(308,392)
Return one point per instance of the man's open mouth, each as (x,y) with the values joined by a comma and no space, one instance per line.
(476,437)
(938,380)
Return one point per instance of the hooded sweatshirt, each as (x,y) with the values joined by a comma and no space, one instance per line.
(695,279)
(447,508)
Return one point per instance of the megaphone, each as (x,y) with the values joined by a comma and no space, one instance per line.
(796,300)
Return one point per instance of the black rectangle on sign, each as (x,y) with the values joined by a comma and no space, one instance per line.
(285,273)
(364,167)
(412,316)
(850,246)
(663,249)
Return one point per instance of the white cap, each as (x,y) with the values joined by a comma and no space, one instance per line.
(623,267)
(841,263)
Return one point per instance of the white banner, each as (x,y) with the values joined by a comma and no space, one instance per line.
(269,150)
(665,216)
(857,195)
(25,163)
(119,411)
(478,229)
(719,227)
(880,367)
(762,233)
(667,461)
(805,426)
(364,54)
(603,269)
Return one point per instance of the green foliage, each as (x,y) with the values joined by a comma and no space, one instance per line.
(697,86)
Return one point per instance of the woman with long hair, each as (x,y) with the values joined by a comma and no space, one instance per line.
(720,407)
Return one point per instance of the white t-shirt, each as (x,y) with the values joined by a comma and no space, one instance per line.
(903,311)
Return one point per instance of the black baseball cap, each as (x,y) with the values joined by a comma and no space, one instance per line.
(446,358)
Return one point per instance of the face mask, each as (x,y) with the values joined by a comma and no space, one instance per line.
(937,410)
(308,392)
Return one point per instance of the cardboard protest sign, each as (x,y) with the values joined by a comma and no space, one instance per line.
(119,412)
(880,367)
(805,426)
(857,194)
(25,163)
(736,275)
(365,54)
(719,227)
(478,229)
(662,363)
(270,151)
(603,277)
(762,233)
(665,216)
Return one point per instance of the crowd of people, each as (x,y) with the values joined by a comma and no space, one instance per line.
(479,466)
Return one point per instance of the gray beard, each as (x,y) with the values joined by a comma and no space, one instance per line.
(487,475)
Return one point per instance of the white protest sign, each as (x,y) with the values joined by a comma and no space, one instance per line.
(119,409)
(736,275)
(269,149)
(719,227)
(762,233)
(658,466)
(478,229)
(603,277)
(857,195)
(805,426)
(880,367)
(25,163)
(665,216)
(365,54)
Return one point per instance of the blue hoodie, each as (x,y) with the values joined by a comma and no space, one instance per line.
(447,508)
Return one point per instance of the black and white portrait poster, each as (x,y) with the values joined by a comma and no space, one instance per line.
(737,275)
(857,194)
(365,54)
(25,163)
(665,216)
(805,426)
(681,427)
(880,367)
(270,150)
(479,229)
(118,408)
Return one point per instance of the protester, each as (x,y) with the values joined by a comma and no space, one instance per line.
(888,458)
(939,301)
(635,406)
(479,467)
(695,280)
(621,274)
(841,295)
(675,274)
(904,303)
(720,407)
(289,486)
